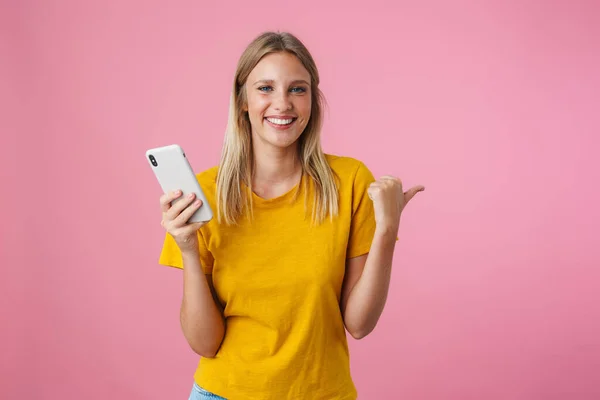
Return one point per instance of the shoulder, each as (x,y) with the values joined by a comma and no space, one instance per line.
(349,169)
(208,182)
(208,178)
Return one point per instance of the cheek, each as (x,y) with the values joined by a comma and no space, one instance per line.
(256,106)
(304,107)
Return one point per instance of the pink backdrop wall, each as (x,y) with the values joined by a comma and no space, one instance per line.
(492,105)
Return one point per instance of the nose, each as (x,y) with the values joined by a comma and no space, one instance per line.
(282,102)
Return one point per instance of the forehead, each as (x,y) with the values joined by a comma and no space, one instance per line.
(280,66)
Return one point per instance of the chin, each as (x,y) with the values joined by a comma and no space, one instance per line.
(280,139)
(282,144)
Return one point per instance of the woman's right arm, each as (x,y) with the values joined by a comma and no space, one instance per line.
(201,318)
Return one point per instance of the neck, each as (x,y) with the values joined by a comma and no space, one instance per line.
(276,166)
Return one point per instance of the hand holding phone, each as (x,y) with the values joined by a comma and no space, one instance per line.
(175,219)
(183,204)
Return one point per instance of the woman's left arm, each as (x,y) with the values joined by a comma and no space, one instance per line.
(367,278)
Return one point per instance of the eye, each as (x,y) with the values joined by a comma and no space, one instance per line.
(265,88)
(298,89)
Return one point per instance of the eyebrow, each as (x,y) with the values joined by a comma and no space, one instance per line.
(271,81)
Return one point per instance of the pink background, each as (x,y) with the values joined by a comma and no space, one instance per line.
(494,106)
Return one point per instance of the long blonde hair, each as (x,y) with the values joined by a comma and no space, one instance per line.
(236,165)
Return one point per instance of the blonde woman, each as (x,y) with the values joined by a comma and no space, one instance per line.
(301,247)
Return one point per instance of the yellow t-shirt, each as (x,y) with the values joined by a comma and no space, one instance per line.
(279,280)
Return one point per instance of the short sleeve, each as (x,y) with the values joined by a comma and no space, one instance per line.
(170,254)
(362,226)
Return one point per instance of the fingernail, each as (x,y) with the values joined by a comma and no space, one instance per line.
(197,203)
(191,195)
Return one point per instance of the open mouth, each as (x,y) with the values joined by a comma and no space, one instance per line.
(280,123)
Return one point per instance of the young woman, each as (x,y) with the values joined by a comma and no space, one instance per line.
(300,250)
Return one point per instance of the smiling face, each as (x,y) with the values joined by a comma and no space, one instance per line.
(278,97)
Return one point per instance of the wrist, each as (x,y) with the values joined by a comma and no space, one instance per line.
(190,253)
(387,230)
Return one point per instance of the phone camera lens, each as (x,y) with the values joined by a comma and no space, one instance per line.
(153,160)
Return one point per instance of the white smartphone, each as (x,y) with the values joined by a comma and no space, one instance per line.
(173,171)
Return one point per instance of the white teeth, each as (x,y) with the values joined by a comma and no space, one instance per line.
(278,121)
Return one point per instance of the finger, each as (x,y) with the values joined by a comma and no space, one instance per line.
(373,190)
(167,198)
(410,193)
(189,229)
(178,206)
(392,178)
(195,226)
(187,213)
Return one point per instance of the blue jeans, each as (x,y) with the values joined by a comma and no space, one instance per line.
(200,394)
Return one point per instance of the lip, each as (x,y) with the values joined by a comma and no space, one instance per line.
(281,116)
(281,127)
